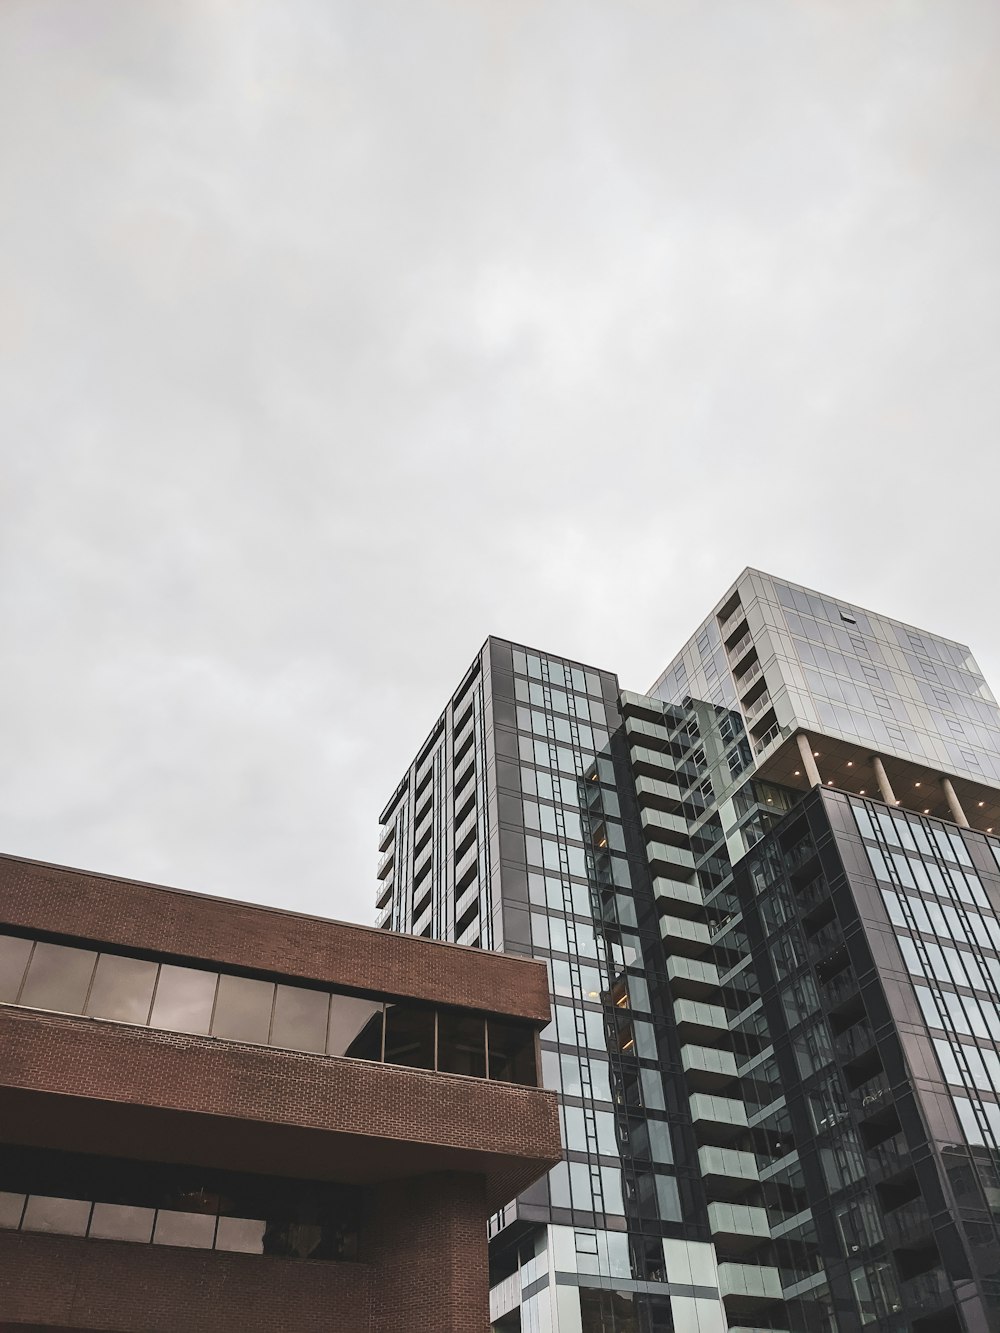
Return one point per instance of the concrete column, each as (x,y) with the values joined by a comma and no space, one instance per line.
(888,795)
(808,760)
(954,804)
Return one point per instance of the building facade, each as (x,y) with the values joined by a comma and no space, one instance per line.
(619,837)
(219,1116)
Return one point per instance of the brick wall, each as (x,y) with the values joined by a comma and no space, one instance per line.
(93,1284)
(426,1240)
(213,930)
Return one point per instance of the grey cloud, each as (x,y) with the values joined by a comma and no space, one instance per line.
(338,336)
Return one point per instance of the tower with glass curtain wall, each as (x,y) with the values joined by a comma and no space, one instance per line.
(772,1002)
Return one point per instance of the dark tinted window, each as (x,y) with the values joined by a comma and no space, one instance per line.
(512,1053)
(184,999)
(300,1018)
(461,1043)
(243,1009)
(241,1234)
(58,978)
(13,961)
(194,1230)
(355,1027)
(122,989)
(68,1217)
(120,1221)
(409,1036)
(11,1208)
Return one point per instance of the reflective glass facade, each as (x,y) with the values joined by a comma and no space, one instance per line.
(768,897)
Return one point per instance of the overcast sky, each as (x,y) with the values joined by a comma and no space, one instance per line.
(335,336)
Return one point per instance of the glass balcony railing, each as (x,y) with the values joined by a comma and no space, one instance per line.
(856,1041)
(758,706)
(872,1096)
(762,742)
(927,1291)
(890,1157)
(740,647)
(744,682)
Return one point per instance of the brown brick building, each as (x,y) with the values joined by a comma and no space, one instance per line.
(221,1116)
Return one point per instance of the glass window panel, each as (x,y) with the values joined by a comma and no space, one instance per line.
(58,978)
(611,1184)
(67,1217)
(668,1199)
(582,1183)
(11,1207)
(512,1052)
(117,1221)
(461,1044)
(355,1027)
(13,960)
(122,989)
(409,1036)
(193,1230)
(572,1083)
(600,1080)
(242,1234)
(559,1186)
(184,999)
(300,1018)
(243,1009)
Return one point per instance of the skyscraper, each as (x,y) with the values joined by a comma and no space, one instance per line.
(769,899)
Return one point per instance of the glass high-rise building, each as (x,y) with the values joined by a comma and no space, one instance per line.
(769,896)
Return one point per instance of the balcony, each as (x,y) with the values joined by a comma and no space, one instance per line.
(691,976)
(383,917)
(717,1120)
(815,893)
(856,1041)
(654,793)
(872,1097)
(684,937)
(383,892)
(670,862)
(738,1226)
(839,989)
(748,1286)
(681,899)
(707,1069)
(826,941)
(769,737)
(926,1292)
(655,764)
(385,835)
(700,1022)
(659,826)
(909,1226)
(744,682)
(505,1296)
(640,731)
(741,647)
(727,1173)
(759,705)
(890,1157)
(385,863)
(731,622)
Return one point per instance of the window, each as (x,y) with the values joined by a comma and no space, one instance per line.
(512,1052)
(300,1018)
(243,1009)
(58,978)
(409,1036)
(184,999)
(355,1027)
(122,989)
(461,1044)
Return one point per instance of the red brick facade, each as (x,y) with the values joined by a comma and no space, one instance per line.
(434,1153)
